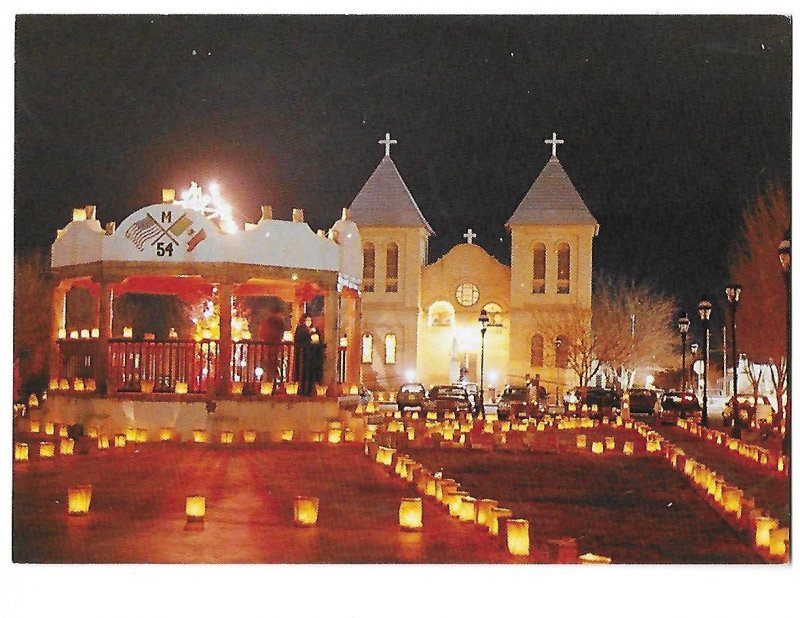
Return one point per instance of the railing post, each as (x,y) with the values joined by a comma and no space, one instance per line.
(331,320)
(104,315)
(225,299)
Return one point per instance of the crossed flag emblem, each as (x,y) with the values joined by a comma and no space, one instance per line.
(148,230)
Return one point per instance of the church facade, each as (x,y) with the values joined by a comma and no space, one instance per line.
(419,320)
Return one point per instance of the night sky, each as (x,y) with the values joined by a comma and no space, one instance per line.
(671,124)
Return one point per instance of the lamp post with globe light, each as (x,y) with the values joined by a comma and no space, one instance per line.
(683,329)
(733,292)
(704,309)
(483,322)
(785,255)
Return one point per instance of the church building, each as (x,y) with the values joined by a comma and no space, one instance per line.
(420,320)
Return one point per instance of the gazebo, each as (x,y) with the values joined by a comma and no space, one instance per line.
(187,248)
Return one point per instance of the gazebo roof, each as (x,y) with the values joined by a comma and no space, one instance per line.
(170,234)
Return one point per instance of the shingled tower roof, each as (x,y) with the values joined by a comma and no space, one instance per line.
(552,200)
(385,201)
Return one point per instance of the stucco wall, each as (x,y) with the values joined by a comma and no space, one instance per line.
(113,416)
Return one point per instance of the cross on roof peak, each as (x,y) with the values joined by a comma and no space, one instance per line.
(554,141)
(470,236)
(387,141)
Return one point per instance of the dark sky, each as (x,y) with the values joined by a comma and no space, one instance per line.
(671,124)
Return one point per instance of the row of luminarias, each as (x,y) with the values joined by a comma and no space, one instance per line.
(765,533)
(127,333)
(767,536)
(336,433)
(751,452)
(512,533)
(181,388)
(79,500)
(741,512)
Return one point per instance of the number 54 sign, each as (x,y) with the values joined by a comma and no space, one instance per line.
(164,235)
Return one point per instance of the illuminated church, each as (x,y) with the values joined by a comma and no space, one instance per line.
(420,319)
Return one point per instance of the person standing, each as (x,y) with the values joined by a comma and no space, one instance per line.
(303,370)
(316,356)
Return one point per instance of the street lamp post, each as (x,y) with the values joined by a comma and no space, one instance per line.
(683,329)
(483,321)
(785,255)
(704,309)
(732,292)
(694,347)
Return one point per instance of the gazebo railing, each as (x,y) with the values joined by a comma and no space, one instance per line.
(262,361)
(158,366)
(77,359)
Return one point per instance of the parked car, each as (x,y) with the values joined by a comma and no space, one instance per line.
(518,401)
(599,401)
(446,398)
(643,400)
(678,404)
(750,409)
(472,393)
(410,395)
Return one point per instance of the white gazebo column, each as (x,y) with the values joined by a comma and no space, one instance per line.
(58,322)
(225,300)
(354,344)
(105,313)
(331,323)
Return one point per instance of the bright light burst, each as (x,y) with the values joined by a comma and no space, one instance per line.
(211,204)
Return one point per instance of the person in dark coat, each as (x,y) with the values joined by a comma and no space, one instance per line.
(303,356)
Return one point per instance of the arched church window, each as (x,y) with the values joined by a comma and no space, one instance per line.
(495,313)
(390,345)
(561,345)
(563,268)
(369,267)
(392,266)
(366,348)
(441,313)
(539,268)
(537,350)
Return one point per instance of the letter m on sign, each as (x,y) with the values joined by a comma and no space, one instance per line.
(166,216)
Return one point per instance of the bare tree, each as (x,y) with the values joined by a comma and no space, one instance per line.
(636,325)
(582,349)
(629,327)
(32,301)
(761,314)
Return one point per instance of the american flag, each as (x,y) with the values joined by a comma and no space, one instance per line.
(142,231)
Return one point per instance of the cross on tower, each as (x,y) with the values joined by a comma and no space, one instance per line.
(555,142)
(388,143)
(470,236)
